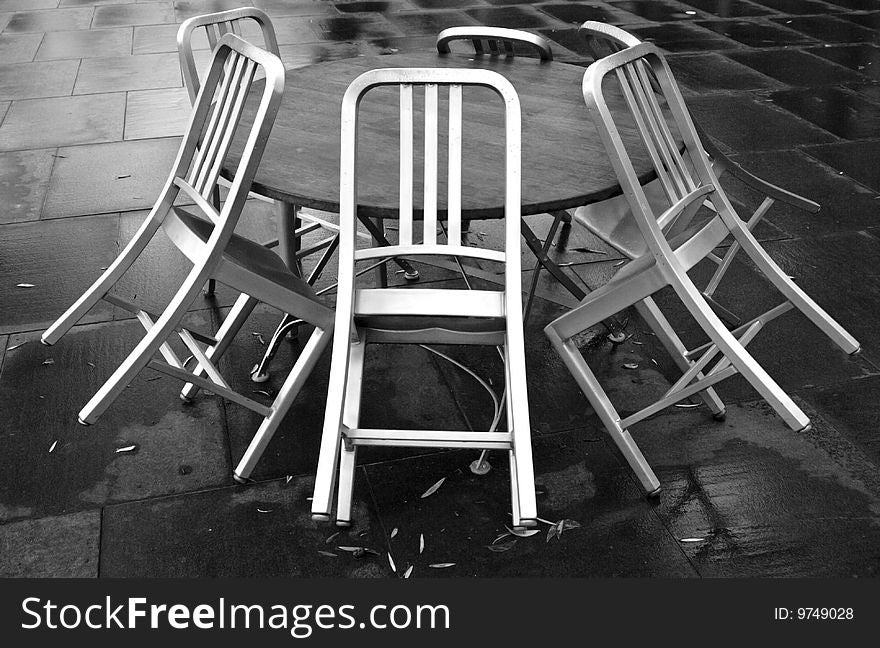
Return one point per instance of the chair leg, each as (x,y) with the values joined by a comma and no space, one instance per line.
(793,293)
(658,323)
(230,327)
(145,349)
(741,359)
(525,508)
(286,395)
(350,419)
(104,283)
(600,402)
(331,436)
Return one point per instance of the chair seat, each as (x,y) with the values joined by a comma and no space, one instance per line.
(190,233)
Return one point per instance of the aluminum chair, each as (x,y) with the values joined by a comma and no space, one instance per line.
(208,241)
(249,21)
(496,41)
(425,315)
(613,220)
(655,108)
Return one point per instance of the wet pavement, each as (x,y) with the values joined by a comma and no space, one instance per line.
(91,106)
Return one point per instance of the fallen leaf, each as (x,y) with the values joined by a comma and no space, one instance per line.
(261,391)
(408,572)
(130,448)
(52,447)
(391,562)
(687,405)
(501,537)
(421,542)
(48,361)
(120,177)
(260,339)
(433,488)
(394,532)
(692,540)
(328,554)
(91,364)
(332,537)
(12,348)
(441,565)
(287,479)
(504,546)
(259,510)
(631,365)
(25,285)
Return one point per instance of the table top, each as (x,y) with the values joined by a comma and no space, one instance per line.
(564,164)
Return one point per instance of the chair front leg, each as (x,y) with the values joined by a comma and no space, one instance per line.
(350,419)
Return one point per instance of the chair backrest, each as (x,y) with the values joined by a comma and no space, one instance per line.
(215,121)
(603,39)
(496,41)
(634,90)
(416,238)
(233,21)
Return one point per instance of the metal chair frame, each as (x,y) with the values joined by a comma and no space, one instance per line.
(495,41)
(214,250)
(294,224)
(603,39)
(425,315)
(673,248)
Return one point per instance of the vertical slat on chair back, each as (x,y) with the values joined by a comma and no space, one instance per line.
(226,109)
(416,237)
(653,105)
(216,120)
(215,25)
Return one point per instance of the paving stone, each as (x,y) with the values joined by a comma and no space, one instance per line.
(683,37)
(140,72)
(756,34)
(794,67)
(863,58)
(258,531)
(578,13)
(577,480)
(34,80)
(136,170)
(16,5)
(349,28)
(155,39)
(797,6)
(184,9)
(89,243)
(751,497)
(728,8)
(515,17)
(855,159)
(712,72)
(306,7)
(19,48)
(86,44)
(156,113)
(430,23)
(63,121)
(656,10)
(177,447)
(64,546)
(24,177)
(837,111)
(852,409)
(150,13)
(829,29)
(871,20)
(723,118)
(46,21)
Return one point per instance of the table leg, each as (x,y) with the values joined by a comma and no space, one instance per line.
(288,246)
(374,227)
(615,334)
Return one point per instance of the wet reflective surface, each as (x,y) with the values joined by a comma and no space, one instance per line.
(89,122)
